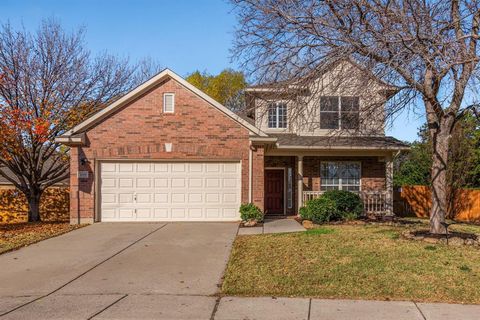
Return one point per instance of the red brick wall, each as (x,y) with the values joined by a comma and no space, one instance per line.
(258,177)
(138,131)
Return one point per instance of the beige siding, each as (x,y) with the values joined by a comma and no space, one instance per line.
(304,109)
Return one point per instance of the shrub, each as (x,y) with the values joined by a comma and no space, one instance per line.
(305,213)
(320,210)
(348,205)
(249,211)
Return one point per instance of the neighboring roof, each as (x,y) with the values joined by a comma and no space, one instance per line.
(167,73)
(246,118)
(5,182)
(293,141)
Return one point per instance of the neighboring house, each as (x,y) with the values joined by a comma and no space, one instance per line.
(168,152)
(6,184)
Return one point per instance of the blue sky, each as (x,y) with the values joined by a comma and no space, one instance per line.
(184,35)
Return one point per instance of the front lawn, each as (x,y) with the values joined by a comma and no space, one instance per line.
(14,236)
(353,262)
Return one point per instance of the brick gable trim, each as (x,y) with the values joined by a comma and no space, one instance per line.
(135,93)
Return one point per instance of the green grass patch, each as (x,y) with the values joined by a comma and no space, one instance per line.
(352,262)
(320,230)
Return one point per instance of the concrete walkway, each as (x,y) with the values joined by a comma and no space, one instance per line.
(266,308)
(200,307)
(274,226)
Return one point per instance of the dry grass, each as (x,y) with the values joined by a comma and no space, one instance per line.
(355,262)
(15,236)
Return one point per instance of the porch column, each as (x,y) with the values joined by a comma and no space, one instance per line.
(389,184)
(300,182)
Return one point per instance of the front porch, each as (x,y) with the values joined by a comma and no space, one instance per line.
(292,180)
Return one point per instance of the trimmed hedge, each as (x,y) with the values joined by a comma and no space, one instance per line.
(349,205)
(333,205)
(320,210)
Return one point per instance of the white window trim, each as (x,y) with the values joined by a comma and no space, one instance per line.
(340,184)
(173,102)
(277,122)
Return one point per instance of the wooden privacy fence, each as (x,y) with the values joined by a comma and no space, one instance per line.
(54,205)
(417,201)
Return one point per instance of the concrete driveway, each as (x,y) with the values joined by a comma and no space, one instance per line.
(129,270)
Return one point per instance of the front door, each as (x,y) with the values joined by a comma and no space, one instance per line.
(274,191)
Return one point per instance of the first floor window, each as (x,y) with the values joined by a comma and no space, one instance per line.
(340,175)
(277,115)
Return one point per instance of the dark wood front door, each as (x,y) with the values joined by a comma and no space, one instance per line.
(274,191)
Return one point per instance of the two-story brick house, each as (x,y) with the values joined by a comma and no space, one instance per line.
(168,152)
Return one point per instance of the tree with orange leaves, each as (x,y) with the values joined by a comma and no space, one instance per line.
(49,82)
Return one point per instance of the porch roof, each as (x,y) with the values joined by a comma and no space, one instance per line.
(293,141)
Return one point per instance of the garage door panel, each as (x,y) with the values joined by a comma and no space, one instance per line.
(178,213)
(160,213)
(158,191)
(144,198)
(178,167)
(178,197)
(230,212)
(161,183)
(195,182)
(195,167)
(126,213)
(161,197)
(125,167)
(144,213)
(178,182)
(125,198)
(143,183)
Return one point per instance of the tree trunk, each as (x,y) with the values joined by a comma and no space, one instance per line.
(34,206)
(439,181)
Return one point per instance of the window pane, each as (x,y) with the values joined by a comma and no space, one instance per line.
(350,104)
(340,175)
(328,103)
(328,120)
(282,115)
(350,120)
(272,116)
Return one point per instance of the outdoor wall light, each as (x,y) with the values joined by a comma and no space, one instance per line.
(168,147)
(84,161)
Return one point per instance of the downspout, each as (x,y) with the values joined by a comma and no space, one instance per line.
(250,173)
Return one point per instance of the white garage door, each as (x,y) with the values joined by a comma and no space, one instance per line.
(176,191)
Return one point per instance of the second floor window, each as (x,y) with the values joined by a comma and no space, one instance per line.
(277,115)
(339,112)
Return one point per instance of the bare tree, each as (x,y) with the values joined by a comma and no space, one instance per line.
(49,81)
(427,50)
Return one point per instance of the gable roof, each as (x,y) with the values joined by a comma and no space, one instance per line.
(141,89)
(302,82)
